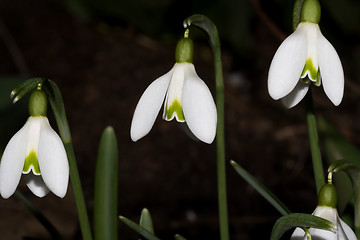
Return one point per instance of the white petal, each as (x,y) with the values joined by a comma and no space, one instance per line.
(298,234)
(287,65)
(331,70)
(149,106)
(53,161)
(12,162)
(174,91)
(316,234)
(198,106)
(344,231)
(36,185)
(296,95)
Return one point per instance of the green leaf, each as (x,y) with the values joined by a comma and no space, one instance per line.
(106,187)
(260,188)
(137,228)
(302,220)
(146,221)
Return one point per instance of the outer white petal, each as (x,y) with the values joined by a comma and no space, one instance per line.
(36,185)
(296,95)
(12,162)
(53,161)
(149,106)
(345,232)
(287,64)
(316,234)
(198,106)
(331,70)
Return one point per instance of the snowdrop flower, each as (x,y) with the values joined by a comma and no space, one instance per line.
(36,151)
(327,209)
(187,99)
(306,57)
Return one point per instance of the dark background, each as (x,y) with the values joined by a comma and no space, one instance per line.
(103,54)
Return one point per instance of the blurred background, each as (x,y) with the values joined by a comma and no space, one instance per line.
(104,53)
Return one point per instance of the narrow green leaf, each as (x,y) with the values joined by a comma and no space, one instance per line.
(302,220)
(260,188)
(146,221)
(137,228)
(106,188)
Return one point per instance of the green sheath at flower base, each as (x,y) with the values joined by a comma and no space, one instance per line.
(31,163)
(184,51)
(311,11)
(174,108)
(38,104)
(328,196)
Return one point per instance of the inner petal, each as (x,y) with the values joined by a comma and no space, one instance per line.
(31,164)
(311,68)
(172,106)
(174,110)
(311,72)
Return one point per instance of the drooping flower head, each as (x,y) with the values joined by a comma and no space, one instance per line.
(327,209)
(306,57)
(187,99)
(37,152)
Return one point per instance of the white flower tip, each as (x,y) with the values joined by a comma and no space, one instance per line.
(5,194)
(136,133)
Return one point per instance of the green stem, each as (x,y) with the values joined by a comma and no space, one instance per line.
(209,27)
(314,143)
(58,108)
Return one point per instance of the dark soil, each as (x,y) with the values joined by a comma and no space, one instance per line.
(102,71)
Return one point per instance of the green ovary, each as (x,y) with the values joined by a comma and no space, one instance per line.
(31,163)
(311,72)
(175,108)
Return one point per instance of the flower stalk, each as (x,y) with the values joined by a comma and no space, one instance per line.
(314,143)
(209,27)
(58,108)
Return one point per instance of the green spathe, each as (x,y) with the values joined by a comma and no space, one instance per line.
(311,11)
(38,104)
(328,196)
(184,51)
(31,163)
(174,108)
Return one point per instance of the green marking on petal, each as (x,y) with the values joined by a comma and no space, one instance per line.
(310,71)
(31,163)
(175,109)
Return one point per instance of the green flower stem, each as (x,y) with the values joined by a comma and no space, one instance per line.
(314,143)
(58,108)
(209,27)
